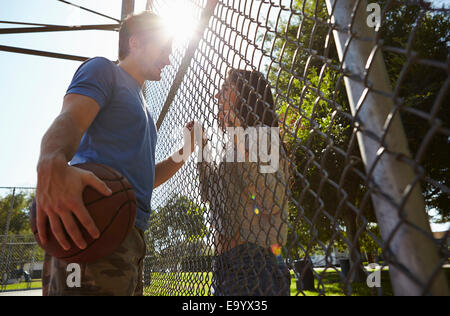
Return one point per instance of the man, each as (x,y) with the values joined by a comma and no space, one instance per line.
(104,119)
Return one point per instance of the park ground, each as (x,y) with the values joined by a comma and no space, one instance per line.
(199,284)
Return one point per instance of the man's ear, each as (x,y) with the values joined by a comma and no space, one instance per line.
(134,43)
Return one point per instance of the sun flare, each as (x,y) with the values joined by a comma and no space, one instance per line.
(179,19)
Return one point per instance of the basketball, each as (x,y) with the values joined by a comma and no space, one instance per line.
(114,216)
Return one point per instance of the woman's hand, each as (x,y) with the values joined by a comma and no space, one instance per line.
(190,127)
(197,135)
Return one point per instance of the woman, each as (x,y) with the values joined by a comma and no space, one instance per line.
(248,209)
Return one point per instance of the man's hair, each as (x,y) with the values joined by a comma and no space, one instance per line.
(136,24)
(256,104)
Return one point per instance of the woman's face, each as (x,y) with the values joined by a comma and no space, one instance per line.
(228,99)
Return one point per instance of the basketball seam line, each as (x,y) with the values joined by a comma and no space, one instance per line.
(105,197)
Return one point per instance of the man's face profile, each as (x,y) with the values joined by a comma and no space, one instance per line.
(152,52)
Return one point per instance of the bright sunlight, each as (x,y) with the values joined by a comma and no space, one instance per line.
(179,16)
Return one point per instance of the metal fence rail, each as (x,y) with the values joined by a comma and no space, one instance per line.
(362,187)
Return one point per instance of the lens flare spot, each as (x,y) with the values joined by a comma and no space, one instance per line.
(276,250)
(256,211)
(253,197)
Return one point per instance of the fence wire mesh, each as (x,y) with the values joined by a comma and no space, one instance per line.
(359,101)
(363,154)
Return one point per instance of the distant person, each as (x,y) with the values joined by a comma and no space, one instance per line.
(104,119)
(248,209)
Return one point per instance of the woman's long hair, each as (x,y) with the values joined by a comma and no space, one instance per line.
(255,106)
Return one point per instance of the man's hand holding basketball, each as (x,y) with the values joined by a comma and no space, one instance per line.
(59,199)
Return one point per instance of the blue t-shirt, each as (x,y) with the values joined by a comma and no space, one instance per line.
(123,134)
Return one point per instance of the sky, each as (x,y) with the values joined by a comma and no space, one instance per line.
(32,88)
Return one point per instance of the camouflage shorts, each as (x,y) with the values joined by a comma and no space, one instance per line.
(119,274)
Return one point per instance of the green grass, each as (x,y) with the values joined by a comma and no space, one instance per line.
(331,285)
(180,284)
(36,284)
(198,284)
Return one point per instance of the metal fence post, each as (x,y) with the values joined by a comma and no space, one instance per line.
(3,262)
(149,5)
(8,218)
(127,8)
(397,196)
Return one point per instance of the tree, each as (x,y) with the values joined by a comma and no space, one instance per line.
(419,88)
(312,105)
(177,230)
(19,219)
(20,246)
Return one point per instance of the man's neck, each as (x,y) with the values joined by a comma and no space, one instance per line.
(133,70)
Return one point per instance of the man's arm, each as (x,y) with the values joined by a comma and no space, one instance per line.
(60,186)
(64,135)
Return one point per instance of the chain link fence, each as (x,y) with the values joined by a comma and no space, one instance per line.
(357,91)
(355,95)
